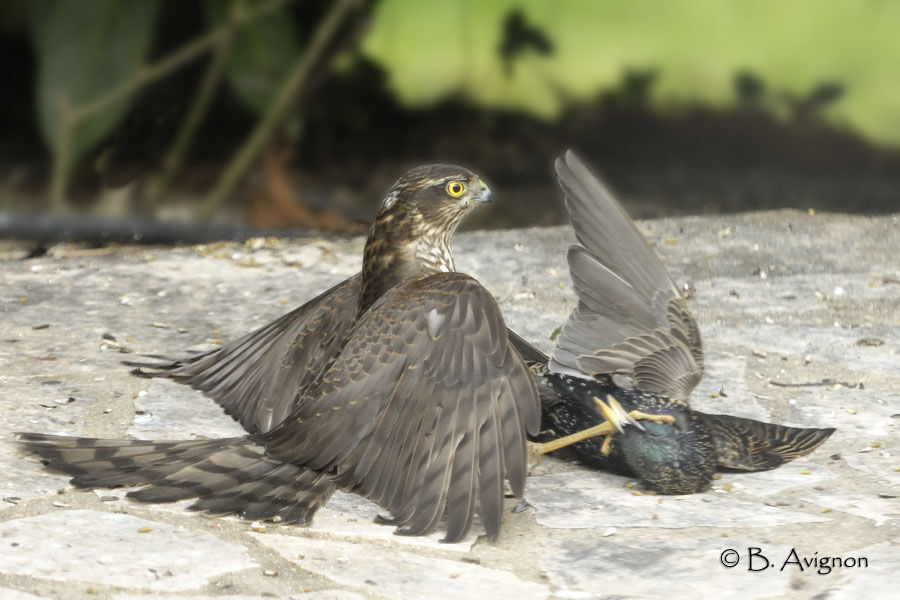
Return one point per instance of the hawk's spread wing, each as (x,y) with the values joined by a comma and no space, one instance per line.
(630,318)
(424,410)
(256,378)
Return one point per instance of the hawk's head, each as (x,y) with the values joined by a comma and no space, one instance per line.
(410,237)
(434,198)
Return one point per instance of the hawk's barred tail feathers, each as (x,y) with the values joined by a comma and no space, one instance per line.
(231,475)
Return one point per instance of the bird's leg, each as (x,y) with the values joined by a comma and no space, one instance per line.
(605,428)
(616,419)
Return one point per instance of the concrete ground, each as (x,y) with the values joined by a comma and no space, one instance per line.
(801,321)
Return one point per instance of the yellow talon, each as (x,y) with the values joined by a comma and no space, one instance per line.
(605,428)
(663,419)
(616,419)
(606,446)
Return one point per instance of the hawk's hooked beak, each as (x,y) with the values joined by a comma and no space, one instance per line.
(482,192)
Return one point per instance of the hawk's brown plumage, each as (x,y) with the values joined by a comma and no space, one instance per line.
(399,384)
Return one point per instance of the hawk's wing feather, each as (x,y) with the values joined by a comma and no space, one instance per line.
(528,350)
(255,378)
(630,318)
(423,410)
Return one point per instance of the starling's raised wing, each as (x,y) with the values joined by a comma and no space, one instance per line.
(630,318)
(256,378)
(749,445)
(426,407)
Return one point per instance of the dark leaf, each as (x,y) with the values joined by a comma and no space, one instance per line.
(260,56)
(85,49)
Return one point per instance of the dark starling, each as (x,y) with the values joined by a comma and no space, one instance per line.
(632,341)
(398,384)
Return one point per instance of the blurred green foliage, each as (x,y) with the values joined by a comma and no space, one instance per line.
(83,50)
(696,47)
(260,57)
(834,60)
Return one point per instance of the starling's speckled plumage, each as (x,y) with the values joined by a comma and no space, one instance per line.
(398,384)
(631,326)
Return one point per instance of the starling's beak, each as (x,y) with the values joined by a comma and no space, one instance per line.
(615,414)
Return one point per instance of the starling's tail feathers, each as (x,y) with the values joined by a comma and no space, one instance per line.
(749,445)
(231,475)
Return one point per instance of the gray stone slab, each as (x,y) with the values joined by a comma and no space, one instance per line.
(874,577)
(167,410)
(578,500)
(315,595)
(595,568)
(883,464)
(114,549)
(345,516)
(802,323)
(194,597)
(22,481)
(11,594)
(801,474)
(880,510)
(352,518)
(328,595)
(394,573)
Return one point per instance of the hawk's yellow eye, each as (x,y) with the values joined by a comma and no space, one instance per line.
(456,188)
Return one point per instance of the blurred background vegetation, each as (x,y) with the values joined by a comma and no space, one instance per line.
(300,113)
